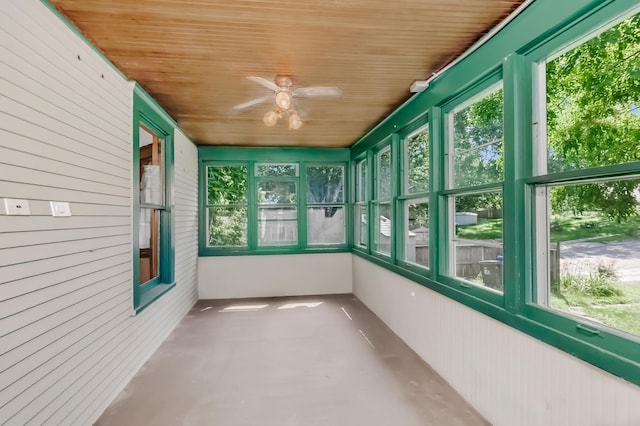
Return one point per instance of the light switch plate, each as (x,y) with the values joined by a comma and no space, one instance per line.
(60,209)
(13,206)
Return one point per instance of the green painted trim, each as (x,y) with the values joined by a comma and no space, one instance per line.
(437,208)
(275,250)
(274,155)
(146,111)
(586,175)
(470,190)
(541,30)
(303,157)
(81,36)
(396,238)
(517,153)
(152,295)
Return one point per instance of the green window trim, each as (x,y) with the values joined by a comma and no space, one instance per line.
(148,113)
(544,28)
(252,158)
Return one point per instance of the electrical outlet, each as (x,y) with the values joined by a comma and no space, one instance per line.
(13,206)
(59,208)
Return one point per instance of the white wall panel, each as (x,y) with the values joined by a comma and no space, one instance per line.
(68,341)
(229,277)
(511,378)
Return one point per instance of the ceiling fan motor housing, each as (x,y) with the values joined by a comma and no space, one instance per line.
(283,81)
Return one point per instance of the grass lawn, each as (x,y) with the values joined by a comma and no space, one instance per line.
(566,227)
(620,312)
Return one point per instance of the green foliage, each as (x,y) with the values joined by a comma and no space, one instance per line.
(418,215)
(227,227)
(478,142)
(488,229)
(384,174)
(592,226)
(277,170)
(418,159)
(325,184)
(599,284)
(227,189)
(593,94)
(226,185)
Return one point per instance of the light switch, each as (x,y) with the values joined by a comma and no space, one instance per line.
(59,208)
(13,206)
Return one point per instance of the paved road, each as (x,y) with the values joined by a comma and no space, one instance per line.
(624,255)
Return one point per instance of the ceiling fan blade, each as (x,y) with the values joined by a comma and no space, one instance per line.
(264,82)
(317,91)
(252,102)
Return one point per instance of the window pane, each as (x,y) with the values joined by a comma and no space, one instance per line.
(418,163)
(593,101)
(477,142)
(360,225)
(227,226)
(384,174)
(149,240)
(476,249)
(593,251)
(325,184)
(384,231)
(416,232)
(277,226)
(151,168)
(361,181)
(276,170)
(325,225)
(276,192)
(226,185)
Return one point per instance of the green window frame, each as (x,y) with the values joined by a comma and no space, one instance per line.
(511,56)
(471,264)
(413,224)
(148,115)
(542,180)
(383,218)
(361,203)
(276,199)
(226,211)
(327,213)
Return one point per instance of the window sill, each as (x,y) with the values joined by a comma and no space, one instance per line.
(268,251)
(148,297)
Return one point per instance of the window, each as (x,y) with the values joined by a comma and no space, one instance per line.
(383,230)
(474,195)
(325,204)
(415,199)
(360,210)
(587,193)
(277,211)
(153,230)
(226,205)
(254,203)
(533,189)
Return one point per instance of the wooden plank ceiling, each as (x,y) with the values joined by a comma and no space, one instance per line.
(193,57)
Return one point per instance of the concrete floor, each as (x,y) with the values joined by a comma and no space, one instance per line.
(322,360)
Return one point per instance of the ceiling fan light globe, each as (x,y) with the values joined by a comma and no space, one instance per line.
(270,118)
(294,122)
(283,99)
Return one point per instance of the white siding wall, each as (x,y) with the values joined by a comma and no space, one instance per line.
(68,342)
(511,378)
(230,277)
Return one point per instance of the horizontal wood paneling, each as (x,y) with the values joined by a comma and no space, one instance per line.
(509,377)
(193,57)
(68,341)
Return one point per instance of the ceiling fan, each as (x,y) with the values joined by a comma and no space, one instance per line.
(283,96)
